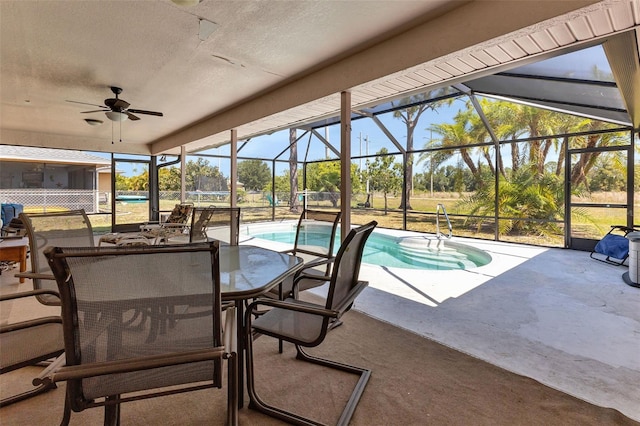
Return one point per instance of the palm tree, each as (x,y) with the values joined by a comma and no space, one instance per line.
(455,135)
(526,202)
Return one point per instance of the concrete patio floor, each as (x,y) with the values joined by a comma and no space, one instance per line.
(554,315)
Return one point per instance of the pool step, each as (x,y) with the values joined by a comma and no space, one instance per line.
(433,253)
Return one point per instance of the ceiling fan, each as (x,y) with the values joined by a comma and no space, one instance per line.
(117,109)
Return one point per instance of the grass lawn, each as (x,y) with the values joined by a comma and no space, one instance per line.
(586,222)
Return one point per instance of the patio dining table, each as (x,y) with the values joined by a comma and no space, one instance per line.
(247,272)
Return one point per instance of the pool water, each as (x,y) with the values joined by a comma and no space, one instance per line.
(411,252)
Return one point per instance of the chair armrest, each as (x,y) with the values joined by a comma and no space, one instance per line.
(318,262)
(293,305)
(84,371)
(149,226)
(28,294)
(22,325)
(348,300)
(230,330)
(622,228)
(173,225)
(35,276)
(302,276)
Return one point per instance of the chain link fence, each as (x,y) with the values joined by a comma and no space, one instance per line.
(48,200)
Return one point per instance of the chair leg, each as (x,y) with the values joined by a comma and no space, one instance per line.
(112,411)
(232,395)
(28,394)
(364,374)
(256,403)
(66,416)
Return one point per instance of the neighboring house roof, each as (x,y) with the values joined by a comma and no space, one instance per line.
(47,155)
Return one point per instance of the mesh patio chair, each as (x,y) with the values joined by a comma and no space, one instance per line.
(314,242)
(225,225)
(28,342)
(63,229)
(306,324)
(108,362)
(200,218)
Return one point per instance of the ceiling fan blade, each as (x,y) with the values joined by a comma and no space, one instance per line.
(95,110)
(119,103)
(141,111)
(85,103)
(131,116)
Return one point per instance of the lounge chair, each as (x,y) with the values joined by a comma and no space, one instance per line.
(271,201)
(613,248)
(200,217)
(225,225)
(174,225)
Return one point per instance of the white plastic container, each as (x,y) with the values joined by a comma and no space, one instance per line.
(634,255)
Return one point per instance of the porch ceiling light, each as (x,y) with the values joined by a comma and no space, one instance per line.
(93,121)
(186,3)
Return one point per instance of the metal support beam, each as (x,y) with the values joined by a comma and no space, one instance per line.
(325,141)
(384,130)
(233,174)
(623,53)
(345,163)
(183,173)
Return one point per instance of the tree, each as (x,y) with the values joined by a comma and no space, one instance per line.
(139,182)
(410,116)
(385,175)
(202,176)
(254,174)
(608,175)
(325,177)
(122,182)
(169,179)
(293,172)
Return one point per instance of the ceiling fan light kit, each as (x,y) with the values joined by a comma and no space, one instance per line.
(118,109)
(116,116)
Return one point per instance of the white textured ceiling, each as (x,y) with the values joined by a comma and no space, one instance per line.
(266,65)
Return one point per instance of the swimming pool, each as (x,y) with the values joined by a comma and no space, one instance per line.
(132,198)
(408,250)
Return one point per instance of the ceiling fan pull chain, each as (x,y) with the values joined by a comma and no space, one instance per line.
(112,133)
(121,131)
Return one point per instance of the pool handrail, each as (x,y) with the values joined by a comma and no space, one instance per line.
(446,216)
